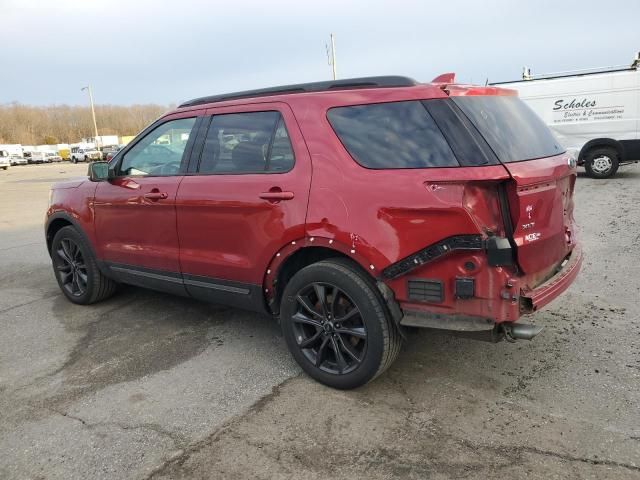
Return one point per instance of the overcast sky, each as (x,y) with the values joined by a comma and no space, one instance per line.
(164,51)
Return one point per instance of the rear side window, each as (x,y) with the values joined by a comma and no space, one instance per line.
(510,127)
(255,142)
(391,135)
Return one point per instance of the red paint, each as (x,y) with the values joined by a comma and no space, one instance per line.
(243,227)
(227,229)
(135,230)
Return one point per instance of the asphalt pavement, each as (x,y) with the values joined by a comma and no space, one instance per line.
(146,385)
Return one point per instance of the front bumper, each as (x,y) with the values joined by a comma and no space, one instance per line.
(532,300)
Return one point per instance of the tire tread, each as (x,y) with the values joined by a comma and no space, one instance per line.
(391,337)
(102,286)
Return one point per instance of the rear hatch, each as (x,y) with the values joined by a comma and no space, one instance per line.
(539,196)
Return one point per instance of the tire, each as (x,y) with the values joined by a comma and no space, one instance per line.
(601,162)
(81,271)
(74,160)
(345,288)
(86,159)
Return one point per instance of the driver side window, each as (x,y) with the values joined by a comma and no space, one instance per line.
(159,153)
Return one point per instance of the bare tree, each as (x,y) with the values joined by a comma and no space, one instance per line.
(52,124)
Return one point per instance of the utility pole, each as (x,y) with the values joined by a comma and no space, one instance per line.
(93,112)
(331,56)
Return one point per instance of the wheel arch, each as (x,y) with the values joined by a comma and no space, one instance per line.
(59,220)
(299,254)
(601,142)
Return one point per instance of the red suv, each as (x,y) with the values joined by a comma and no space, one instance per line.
(347,209)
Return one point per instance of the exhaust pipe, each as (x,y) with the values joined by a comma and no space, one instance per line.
(520,331)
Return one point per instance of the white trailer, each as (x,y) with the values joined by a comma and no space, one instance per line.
(592,112)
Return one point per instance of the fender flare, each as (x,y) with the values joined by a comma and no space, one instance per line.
(280,258)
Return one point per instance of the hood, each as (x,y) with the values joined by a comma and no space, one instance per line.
(71,183)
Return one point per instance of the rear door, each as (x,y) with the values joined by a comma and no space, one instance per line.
(539,196)
(244,199)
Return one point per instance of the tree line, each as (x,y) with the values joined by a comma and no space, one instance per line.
(39,125)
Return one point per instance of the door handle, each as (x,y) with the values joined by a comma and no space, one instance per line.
(155,195)
(276,196)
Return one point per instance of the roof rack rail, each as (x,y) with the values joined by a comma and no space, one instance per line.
(528,77)
(346,84)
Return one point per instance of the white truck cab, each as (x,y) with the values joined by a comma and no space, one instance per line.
(595,113)
(85,154)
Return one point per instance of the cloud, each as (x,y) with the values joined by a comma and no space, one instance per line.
(167,51)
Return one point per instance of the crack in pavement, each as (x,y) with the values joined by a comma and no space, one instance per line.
(504,451)
(257,407)
(35,300)
(519,449)
(177,439)
(509,449)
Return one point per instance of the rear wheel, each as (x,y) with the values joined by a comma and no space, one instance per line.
(601,162)
(336,325)
(76,269)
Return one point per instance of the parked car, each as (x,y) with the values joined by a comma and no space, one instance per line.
(17,159)
(80,154)
(112,153)
(109,149)
(39,157)
(594,112)
(5,160)
(53,157)
(430,205)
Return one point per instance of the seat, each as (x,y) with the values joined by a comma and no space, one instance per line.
(248,156)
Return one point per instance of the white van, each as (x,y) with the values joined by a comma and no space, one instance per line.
(593,112)
(39,157)
(5,160)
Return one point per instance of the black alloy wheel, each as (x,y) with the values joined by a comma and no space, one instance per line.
(71,268)
(329,328)
(337,325)
(76,268)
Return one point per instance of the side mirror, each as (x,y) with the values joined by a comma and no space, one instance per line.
(99,171)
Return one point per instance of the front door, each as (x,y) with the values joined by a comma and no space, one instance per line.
(247,200)
(135,213)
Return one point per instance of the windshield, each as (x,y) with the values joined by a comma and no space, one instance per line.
(510,127)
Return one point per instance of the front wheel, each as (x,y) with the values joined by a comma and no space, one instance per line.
(76,269)
(74,160)
(337,326)
(601,162)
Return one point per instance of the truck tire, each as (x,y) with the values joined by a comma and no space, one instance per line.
(74,160)
(601,162)
(337,325)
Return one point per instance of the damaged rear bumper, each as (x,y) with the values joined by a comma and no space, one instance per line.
(534,299)
(493,329)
